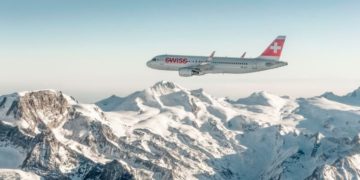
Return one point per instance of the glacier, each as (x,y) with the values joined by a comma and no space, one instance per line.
(169,132)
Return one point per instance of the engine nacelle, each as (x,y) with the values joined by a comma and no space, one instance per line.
(186,72)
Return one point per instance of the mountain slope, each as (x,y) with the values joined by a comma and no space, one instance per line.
(352,98)
(169,132)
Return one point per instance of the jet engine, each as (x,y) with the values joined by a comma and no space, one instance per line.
(186,72)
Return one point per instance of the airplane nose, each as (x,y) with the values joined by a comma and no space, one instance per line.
(148,64)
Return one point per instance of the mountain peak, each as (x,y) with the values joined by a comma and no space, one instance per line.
(328,94)
(27,109)
(110,103)
(262,98)
(352,98)
(165,84)
(355,93)
(165,87)
(45,93)
(52,91)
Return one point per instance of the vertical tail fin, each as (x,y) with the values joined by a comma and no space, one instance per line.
(273,51)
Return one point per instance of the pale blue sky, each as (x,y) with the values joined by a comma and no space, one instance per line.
(92,49)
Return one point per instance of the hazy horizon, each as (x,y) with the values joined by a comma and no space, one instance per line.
(92,49)
(94,96)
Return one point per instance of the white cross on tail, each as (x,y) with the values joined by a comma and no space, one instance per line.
(275,47)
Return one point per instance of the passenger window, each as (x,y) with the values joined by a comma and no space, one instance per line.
(268,64)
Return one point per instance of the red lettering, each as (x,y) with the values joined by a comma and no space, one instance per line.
(176,60)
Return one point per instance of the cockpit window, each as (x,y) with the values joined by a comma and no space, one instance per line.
(154,59)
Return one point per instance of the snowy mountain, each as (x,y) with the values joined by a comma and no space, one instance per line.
(352,98)
(169,132)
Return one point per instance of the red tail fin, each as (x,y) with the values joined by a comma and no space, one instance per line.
(273,51)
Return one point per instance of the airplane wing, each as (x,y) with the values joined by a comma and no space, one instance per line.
(207,64)
(201,68)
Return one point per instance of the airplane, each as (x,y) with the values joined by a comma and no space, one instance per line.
(199,65)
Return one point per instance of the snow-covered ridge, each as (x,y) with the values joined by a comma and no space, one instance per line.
(352,98)
(9,174)
(169,132)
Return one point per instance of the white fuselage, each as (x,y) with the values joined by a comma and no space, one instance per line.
(216,65)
